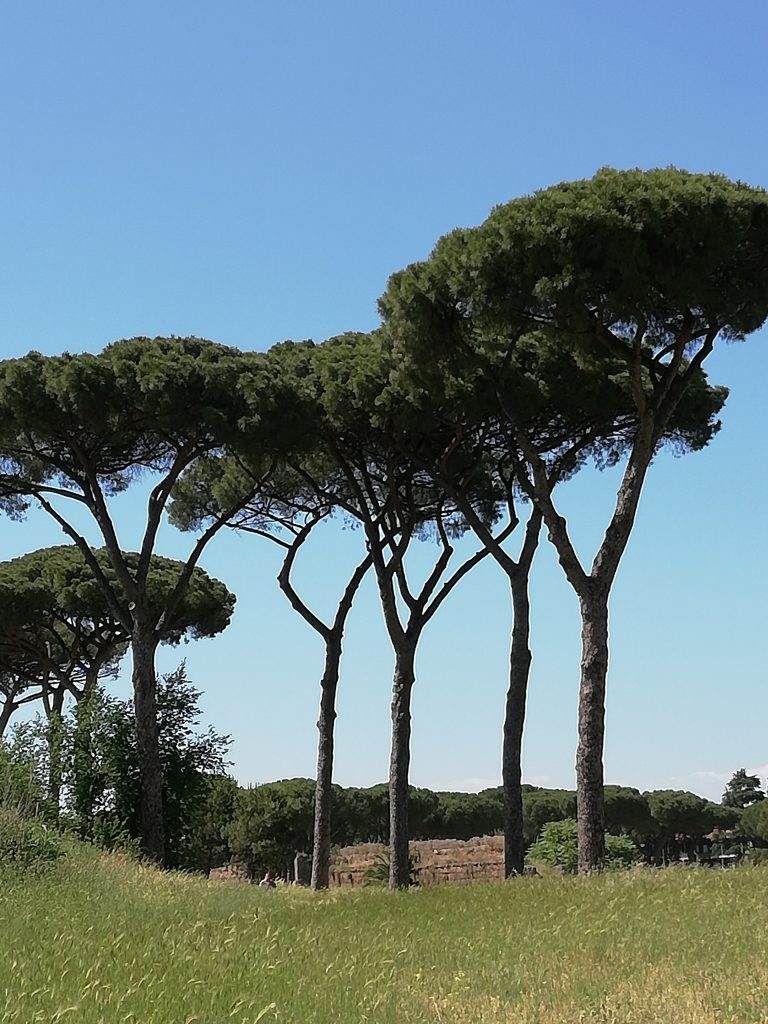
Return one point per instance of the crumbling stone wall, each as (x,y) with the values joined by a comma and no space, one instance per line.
(437,861)
(230,873)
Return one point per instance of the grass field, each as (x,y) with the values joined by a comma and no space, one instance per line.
(100,939)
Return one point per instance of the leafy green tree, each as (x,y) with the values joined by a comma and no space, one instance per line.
(106,775)
(676,811)
(681,819)
(59,636)
(640,272)
(271,823)
(24,770)
(541,806)
(742,790)
(365,474)
(627,812)
(573,411)
(362,815)
(466,815)
(754,821)
(207,845)
(75,430)
(444,424)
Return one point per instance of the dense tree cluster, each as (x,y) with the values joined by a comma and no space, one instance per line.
(570,329)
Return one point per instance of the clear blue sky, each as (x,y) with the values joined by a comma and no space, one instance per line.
(251,172)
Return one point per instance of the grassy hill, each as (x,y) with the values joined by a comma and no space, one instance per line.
(99,939)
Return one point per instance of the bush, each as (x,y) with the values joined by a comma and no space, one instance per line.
(26,842)
(756,856)
(559,848)
(110,834)
(620,853)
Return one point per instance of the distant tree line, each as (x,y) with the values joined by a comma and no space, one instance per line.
(211,820)
(570,329)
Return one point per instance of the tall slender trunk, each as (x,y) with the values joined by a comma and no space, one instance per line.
(55,745)
(514,720)
(399,764)
(143,647)
(321,846)
(589,752)
(85,783)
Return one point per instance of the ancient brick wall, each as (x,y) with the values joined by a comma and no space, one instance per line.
(437,861)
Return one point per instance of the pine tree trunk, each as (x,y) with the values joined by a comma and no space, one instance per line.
(399,764)
(55,742)
(143,647)
(321,845)
(589,754)
(514,720)
(84,783)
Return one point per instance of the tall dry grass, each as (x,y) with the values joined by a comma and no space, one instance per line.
(96,940)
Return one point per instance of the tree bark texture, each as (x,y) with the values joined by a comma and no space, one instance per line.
(589,753)
(514,721)
(321,847)
(399,765)
(55,740)
(143,647)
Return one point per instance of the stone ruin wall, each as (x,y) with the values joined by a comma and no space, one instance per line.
(437,861)
(229,873)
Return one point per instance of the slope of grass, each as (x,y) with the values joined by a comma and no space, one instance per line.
(96,940)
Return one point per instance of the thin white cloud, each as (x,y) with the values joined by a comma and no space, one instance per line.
(472,785)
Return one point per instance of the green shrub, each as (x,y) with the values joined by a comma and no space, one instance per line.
(559,848)
(25,841)
(620,852)
(756,856)
(110,834)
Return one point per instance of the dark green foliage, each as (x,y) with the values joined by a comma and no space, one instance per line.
(620,285)
(76,430)
(533,310)
(26,842)
(56,583)
(679,812)
(467,815)
(59,633)
(541,806)
(742,790)
(360,815)
(271,823)
(628,245)
(754,821)
(725,817)
(680,821)
(123,410)
(197,796)
(24,768)
(627,812)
